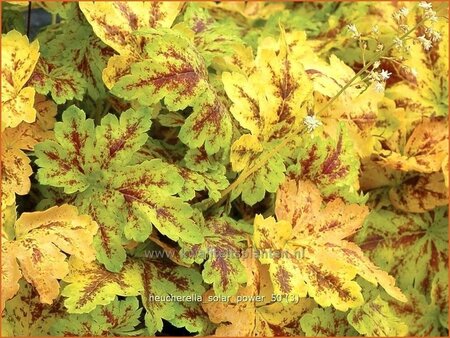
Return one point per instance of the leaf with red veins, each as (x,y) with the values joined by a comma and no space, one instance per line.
(411,247)
(173,70)
(148,190)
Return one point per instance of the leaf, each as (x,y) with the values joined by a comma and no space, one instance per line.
(326,322)
(270,102)
(90,285)
(224,242)
(40,238)
(424,151)
(15,163)
(254,313)
(208,125)
(175,72)
(26,316)
(421,316)
(439,295)
(332,164)
(214,182)
(315,258)
(411,247)
(427,91)
(420,193)
(213,38)
(63,161)
(18,60)
(194,319)
(92,162)
(84,60)
(116,318)
(328,79)
(147,190)
(115,22)
(271,110)
(62,82)
(375,319)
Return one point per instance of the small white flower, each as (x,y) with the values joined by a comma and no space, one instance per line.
(435,36)
(398,42)
(425,5)
(376,64)
(352,28)
(311,123)
(384,74)
(404,11)
(380,47)
(431,15)
(379,87)
(413,72)
(426,44)
(375,29)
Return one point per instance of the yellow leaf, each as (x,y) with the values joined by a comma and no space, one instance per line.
(42,241)
(313,256)
(116,21)
(420,193)
(18,60)
(253,311)
(244,151)
(271,101)
(424,151)
(15,163)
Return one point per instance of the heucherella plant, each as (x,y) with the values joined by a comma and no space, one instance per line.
(224,169)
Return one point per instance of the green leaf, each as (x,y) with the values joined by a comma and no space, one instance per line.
(332,164)
(223,245)
(326,322)
(90,285)
(422,317)
(209,124)
(25,315)
(174,71)
(213,38)
(411,247)
(375,319)
(63,82)
(87,57)
(92,162)
(118,318)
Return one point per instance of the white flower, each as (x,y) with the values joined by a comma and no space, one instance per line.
(379,87)
(431,15)
(311,123)
(352,28)
(426,44)
(436,36)
(425,5)
(398,42)
(376,64)
(384,74)
(404,11)
(413,72)
(375,29)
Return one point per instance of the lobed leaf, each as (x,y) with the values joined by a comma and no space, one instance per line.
(40,238)
(19,58)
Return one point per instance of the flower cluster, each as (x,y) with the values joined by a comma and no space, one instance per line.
(379,78)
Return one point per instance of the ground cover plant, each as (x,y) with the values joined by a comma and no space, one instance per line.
(225,168)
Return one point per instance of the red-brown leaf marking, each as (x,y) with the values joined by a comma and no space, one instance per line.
(284,278)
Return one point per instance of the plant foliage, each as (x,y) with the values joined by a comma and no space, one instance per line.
(225,168)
